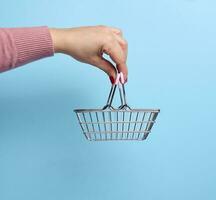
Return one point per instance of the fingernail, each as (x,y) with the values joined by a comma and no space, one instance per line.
(112,80)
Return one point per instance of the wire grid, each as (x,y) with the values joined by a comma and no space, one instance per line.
(104,125)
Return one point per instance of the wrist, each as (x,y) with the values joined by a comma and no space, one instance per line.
(57,39)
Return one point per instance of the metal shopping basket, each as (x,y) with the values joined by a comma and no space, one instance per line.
(123,123)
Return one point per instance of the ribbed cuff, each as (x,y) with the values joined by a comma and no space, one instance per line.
(32,44)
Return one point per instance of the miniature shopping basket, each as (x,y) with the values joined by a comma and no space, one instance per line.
(123,123)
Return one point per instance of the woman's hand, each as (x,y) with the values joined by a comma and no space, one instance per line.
(87,44)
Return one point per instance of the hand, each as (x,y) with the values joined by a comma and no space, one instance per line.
(87,45)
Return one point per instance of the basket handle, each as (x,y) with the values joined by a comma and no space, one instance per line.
(119,81)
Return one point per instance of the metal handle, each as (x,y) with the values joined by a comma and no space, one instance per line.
(120,82)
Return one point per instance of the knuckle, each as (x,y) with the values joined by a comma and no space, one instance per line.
(124,43)
(120,31)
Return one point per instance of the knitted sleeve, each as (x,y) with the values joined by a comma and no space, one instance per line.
(19,46)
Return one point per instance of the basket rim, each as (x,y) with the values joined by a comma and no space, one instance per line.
(117,110)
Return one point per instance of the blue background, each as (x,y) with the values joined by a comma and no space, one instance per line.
(172,66)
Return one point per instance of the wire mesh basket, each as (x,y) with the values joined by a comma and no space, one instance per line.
(123,123)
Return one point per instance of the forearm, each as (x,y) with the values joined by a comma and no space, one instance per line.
(19,46)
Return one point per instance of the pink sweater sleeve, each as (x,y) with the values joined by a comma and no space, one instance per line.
(19,46)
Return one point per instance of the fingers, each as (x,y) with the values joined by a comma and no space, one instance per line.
(119,37)
(123,44)
(117,54)
(116,47)
(117,31)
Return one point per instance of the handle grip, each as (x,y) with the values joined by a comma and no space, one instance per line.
(120,82)
(119,79)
